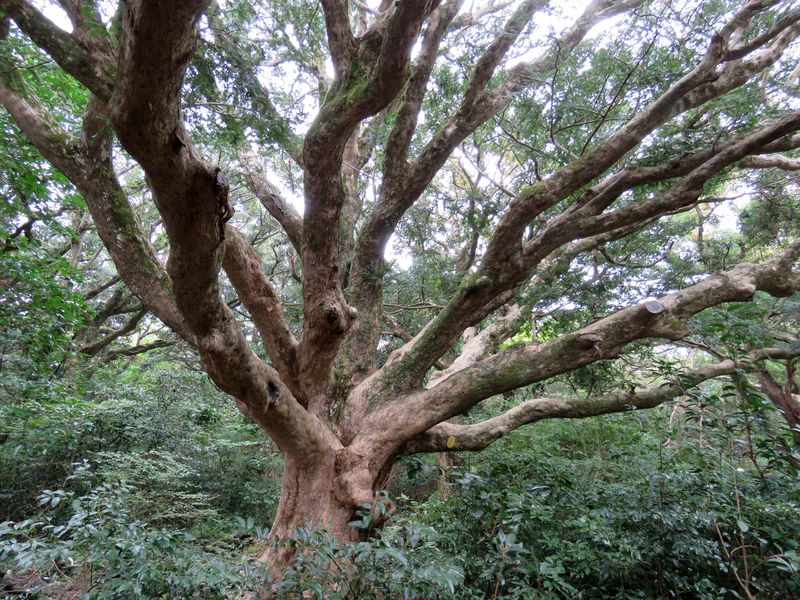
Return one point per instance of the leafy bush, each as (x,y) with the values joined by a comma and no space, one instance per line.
(605,509)
(93,540)
(194,454)
(402,562)
(39,312)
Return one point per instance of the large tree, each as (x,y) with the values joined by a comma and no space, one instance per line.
(513,154)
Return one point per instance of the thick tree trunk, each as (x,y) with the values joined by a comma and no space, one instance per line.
(315,498)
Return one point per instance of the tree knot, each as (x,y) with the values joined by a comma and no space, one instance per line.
(587,341)
(653,307)
(225,209)
(337,316)
(273,393)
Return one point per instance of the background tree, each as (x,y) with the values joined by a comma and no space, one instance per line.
(543,181)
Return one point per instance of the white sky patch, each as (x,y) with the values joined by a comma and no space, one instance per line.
(398,256)
(727,212)
(55,13)
(605,25)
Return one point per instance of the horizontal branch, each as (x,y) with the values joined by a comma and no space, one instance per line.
(99,289)
(118,353)
(524,364)
(775,161)
(449,436)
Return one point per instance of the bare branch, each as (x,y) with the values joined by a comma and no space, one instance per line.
(91,63)
(786,22)
(376,76)
(95,291)
(478,13)
(271,198)
(478,346)
(408,113)
(769,162)
(244,269)
(130,325)
(397,330)
(340,38)
(118,353)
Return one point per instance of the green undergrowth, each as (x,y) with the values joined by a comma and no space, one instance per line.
(150,485)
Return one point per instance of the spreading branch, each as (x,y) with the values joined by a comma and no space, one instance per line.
(524,364)
(450,436)
(507,263)
(405,181)
(245,271)
(271,198)
(90,61)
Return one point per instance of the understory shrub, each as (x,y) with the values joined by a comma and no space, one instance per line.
(92,542)
(558,514)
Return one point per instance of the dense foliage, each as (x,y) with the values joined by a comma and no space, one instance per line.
(147,484)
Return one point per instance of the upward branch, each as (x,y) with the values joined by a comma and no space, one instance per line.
(508,261)
(404,181)
(157,42)
(450,436)
(371,80)
(340,38)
